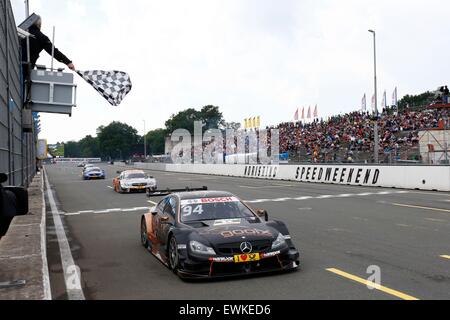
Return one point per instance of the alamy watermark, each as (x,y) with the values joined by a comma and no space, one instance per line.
(230,146)
(374,280)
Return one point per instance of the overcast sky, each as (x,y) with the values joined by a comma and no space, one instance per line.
(250,57)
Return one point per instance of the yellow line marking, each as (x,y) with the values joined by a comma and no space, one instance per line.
(419,207)
(395,293)
(445,257)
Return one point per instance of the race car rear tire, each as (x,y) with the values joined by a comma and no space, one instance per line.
(173,255)
(144,236)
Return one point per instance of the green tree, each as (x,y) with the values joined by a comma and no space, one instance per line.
(71,150)
(117,140)
(416,101)
(232,125)
(210,115)
(89,147)
(182,120)
(156,141)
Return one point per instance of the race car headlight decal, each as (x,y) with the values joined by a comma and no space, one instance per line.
(279,242)
(200,248)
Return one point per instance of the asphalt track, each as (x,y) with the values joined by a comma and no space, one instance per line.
(340,231)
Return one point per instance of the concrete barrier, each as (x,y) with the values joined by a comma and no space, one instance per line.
(23,256)
(436,178)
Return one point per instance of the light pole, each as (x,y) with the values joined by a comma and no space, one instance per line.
(145,142)
(375,126)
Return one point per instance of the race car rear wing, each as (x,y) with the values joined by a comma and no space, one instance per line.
(166,192)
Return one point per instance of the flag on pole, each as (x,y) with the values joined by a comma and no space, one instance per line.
(296,115)
(303,113)
(309,112)
(245,123)
(254,122)
(373,102)
(384,101)
(394,97)
(364,103)
(112,85)
(258,121)
(316,112)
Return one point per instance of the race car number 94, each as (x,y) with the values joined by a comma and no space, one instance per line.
(189,210)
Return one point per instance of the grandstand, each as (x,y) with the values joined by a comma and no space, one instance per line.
(415,131)
(350,137)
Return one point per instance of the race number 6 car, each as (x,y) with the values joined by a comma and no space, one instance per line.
(209,234)
(133,180)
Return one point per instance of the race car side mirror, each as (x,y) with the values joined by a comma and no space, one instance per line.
(3,177)
(263,214)
(154,213)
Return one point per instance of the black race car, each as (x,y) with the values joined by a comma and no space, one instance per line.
(207,234)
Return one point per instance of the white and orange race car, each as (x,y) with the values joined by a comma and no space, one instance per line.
(133,181)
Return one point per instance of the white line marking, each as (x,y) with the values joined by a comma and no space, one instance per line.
(196,179)
(303,198)
(109,187)
(152,202)
(72,280)
(267,187)
(45,273)
(140,208)
(325,196)
(435,220)
(70,214)
(280,199)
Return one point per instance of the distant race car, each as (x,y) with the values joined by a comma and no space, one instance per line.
(208,234)
(94,173)
(87,166)
(81,165)
(133,180)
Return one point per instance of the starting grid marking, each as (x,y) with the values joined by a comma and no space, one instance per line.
(328,196)
(321,197)
(105,211)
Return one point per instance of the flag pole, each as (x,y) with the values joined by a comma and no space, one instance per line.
(53,48)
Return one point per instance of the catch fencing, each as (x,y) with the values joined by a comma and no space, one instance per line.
(17,148)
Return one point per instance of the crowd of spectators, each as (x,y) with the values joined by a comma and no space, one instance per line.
(342,138)
(354,133)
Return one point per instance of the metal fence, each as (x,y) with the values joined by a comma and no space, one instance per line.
(17,148)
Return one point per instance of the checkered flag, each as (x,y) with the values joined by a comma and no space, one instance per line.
(112,85)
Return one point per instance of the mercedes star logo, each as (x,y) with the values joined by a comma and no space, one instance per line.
(246,247)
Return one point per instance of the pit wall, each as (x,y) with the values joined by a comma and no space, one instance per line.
(23,251)
(435,178)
